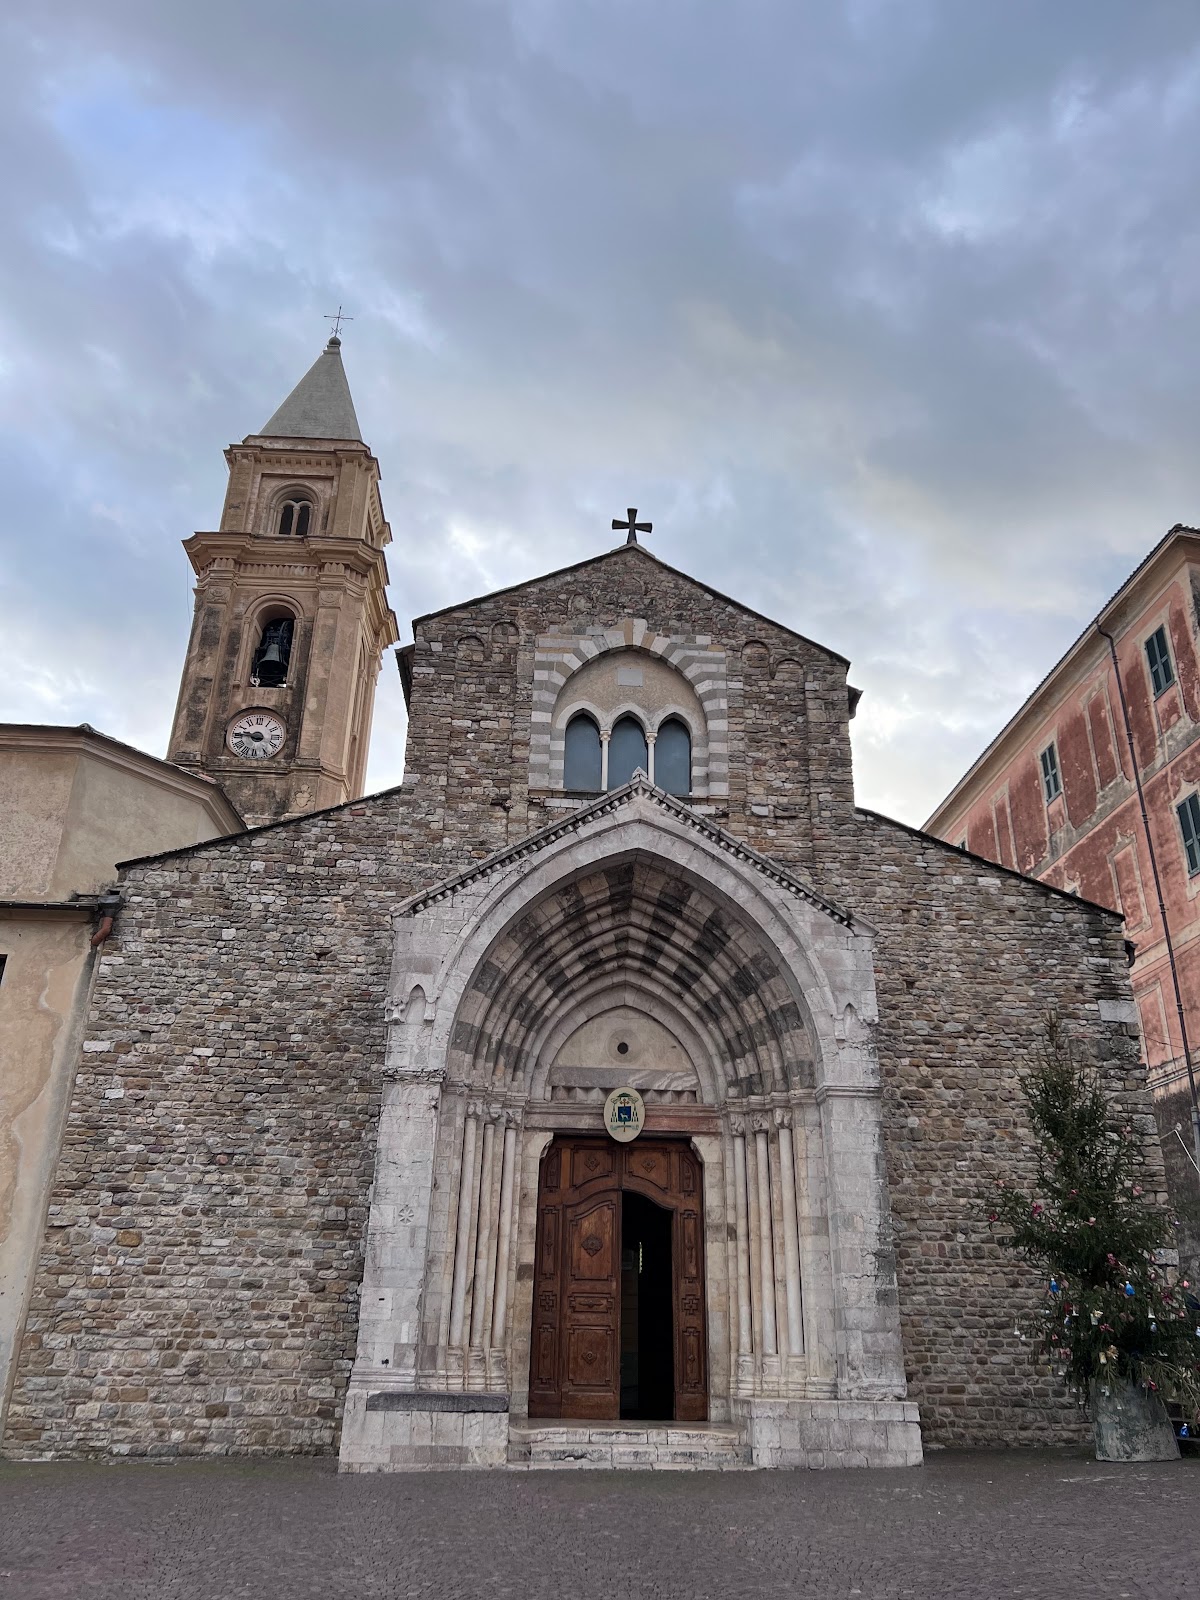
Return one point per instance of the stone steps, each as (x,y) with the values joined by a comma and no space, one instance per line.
(624,1446)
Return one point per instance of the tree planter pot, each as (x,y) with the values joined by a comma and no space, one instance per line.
(1130,1424)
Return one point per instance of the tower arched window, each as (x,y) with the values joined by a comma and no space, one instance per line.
(673,757)
(626,751)
(295,515)
(269,664)
(581,755)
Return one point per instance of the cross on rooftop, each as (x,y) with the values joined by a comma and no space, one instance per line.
(633,525)
(337,318)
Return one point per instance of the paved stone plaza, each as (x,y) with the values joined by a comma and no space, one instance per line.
(966,1526)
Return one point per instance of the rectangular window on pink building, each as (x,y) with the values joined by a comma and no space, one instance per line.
(1158,659)
(1189,826)
(1051,780)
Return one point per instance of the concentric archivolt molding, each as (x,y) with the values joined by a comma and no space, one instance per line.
(633,926)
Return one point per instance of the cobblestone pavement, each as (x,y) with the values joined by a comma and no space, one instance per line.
(967,1525)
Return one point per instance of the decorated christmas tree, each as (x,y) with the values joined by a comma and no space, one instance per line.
(1113,1311)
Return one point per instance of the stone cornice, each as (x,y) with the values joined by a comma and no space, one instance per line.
(606,805)
(300,557)
(304,454)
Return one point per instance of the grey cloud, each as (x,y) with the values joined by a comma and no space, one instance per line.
(883,311)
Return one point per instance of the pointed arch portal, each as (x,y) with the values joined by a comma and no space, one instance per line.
(633,945)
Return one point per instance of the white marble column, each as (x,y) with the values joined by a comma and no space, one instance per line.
(504,1235)
(483,1238)
(468,1179)
(791,1240)
(766,1243)
(742,1231)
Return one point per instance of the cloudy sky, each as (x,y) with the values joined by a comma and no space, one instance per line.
(887,312)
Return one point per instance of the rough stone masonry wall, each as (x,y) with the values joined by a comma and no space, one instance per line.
(970,961)
(198,1284)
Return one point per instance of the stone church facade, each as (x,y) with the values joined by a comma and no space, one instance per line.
(336,1176)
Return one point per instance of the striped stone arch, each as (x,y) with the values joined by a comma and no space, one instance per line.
(559,656)
(641,929)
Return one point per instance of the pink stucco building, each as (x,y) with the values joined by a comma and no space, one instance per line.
(1094,786)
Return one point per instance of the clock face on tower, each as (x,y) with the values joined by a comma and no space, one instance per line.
(255,735)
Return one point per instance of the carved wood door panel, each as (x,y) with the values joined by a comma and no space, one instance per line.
(545,1398)
(591,1365)
(575,1356)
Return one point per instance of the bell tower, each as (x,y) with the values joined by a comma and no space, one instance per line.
(291,617)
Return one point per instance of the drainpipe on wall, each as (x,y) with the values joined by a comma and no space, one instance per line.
(106,910)
(1162,905)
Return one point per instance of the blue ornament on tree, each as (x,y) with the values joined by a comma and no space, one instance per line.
(1129,1289)
(1053,1285)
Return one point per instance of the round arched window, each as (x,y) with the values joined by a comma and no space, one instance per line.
(581,755)
(626,751)
(295,516)
(673,757)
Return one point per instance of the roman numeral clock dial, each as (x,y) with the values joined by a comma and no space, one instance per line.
(255,735)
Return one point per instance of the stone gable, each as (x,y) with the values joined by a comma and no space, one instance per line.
(475,670)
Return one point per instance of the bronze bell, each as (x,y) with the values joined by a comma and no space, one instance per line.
(270,666)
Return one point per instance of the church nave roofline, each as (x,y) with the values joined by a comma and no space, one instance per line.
(636,551)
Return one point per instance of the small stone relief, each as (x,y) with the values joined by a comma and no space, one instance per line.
(408,1047)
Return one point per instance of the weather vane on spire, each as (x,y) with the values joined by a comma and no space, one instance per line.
(633,526)
(337,318)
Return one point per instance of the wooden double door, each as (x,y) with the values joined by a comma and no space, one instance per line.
(618,1294)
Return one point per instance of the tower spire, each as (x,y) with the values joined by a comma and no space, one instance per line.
(320,406)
